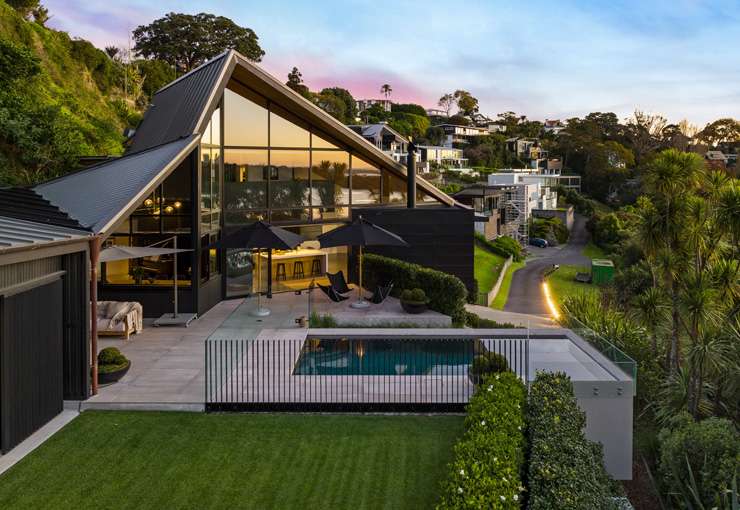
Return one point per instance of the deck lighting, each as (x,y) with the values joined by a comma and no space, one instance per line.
(178,204)
(550,303)
(169,209)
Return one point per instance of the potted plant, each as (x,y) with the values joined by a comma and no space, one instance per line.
(137,273)
(414,301)
(487,363)
(112,365)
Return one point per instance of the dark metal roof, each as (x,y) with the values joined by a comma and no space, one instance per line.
(178,107)
(476,191)
(99,195)
(26,204)
(16,233)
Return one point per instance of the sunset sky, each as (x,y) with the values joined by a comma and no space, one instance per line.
(544,59)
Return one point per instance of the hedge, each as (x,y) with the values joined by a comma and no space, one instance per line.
(502,245)
(446,293)
(489,459)
(566,470)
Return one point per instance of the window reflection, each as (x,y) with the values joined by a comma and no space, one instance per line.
(394,188)
(330,175)
(289,179)
(365,182)
(245,176)
(245,119)
(285,131)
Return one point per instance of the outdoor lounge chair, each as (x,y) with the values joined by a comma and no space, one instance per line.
(332,293)
(381,292)
(338,282)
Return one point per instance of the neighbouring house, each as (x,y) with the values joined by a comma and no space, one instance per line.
(456,135)
(436,112)
(385,138)
(364,104)
(489,204)
(554,126)
(433,157)
(550,176)
(227,144)
(496,127)
(44,310)
(540,189)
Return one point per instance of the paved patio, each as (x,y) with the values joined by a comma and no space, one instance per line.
(168,363)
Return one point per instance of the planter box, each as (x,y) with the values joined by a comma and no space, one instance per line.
(414,308)
(111,377)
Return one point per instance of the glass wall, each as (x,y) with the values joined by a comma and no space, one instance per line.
(163,215)
(211,173)
(365,182)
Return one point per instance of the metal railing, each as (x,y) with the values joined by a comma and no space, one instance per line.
(349,374)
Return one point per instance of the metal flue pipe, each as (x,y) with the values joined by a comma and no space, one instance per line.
(411,176)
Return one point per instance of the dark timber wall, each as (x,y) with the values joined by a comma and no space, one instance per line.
(440,237)
(31,370)
(76,327)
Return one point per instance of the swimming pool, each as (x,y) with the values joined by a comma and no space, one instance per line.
(385,357)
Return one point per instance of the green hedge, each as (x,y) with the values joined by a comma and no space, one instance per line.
(489,459)
(502,245)
(566,470)
(446,293)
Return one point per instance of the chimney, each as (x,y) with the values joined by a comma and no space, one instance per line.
(411,176)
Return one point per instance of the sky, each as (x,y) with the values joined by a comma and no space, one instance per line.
(544,59)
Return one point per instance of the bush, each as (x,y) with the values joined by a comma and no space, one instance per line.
(486,364)
(489,459)
(502,245)
(446,293)
(549,229)
(475,321)
(565,469)
(321,321)
(414,296)
(111,359)
(712,450)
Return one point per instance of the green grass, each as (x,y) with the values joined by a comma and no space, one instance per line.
(503,292)
(562,283)
(593,252)
(173,460)
(487,268)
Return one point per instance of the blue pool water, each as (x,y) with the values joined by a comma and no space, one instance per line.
(385,357)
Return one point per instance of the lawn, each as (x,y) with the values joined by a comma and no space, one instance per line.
(562,283)
(593,252)
(186,460)
(503,292)
(487,268)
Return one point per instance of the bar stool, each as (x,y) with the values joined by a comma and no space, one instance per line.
(298,269)
(316,267)
(280,272)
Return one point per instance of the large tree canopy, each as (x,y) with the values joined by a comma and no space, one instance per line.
(185,41)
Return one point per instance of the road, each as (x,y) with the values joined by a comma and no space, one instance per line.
(525,295)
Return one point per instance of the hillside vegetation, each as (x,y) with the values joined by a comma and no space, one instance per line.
(60,98)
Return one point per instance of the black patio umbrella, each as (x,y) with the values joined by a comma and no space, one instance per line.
(360,233)
(259,236)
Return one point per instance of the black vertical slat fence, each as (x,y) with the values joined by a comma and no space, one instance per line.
(349,374)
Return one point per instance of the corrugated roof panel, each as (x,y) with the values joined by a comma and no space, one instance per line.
(16,233)
(26,204)
(177,108)
(97,195)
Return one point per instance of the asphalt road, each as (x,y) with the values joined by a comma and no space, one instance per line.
(525,295)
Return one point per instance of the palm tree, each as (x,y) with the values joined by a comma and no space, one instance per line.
(386,90)
(650,310)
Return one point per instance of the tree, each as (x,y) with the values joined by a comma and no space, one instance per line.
(446,102)
(386,90)
(333,105)
(409,108)
(722,130)
(155,75)
(112,51)
(343,95)
(295,82)
(24,7)
(643,131)
(185,41)
(467,104)
(41,15)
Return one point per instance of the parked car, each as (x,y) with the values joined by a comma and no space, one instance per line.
(539,242)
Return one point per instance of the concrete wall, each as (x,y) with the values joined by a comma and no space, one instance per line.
(566,215)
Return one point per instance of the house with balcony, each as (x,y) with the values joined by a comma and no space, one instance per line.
(457,135)
(385,138)
(364,104)
(432,157)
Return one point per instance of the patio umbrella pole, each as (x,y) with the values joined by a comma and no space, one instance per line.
(174,276)
(260,312)
(360,303)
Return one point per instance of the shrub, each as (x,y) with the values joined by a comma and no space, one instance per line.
(321,321)
(475,321)
(698,460)
(111,359)
(565,469)
(502,245)
(446,293)
(415,296)
(489,459)
(486,364)
(549,229)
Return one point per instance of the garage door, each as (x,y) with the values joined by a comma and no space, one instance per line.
(31,338)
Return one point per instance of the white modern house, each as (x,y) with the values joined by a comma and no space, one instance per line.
(385,138)
(431,156)
(536,189)
(554,126)
(461,135)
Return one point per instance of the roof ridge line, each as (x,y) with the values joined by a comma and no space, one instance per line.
(193,71)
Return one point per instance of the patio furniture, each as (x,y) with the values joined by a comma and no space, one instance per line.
(381,292)
(338,282)
(360,233)
(298,269)
(117,318)
(332,293)
(280,272)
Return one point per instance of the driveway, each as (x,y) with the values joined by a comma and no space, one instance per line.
(525,295)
